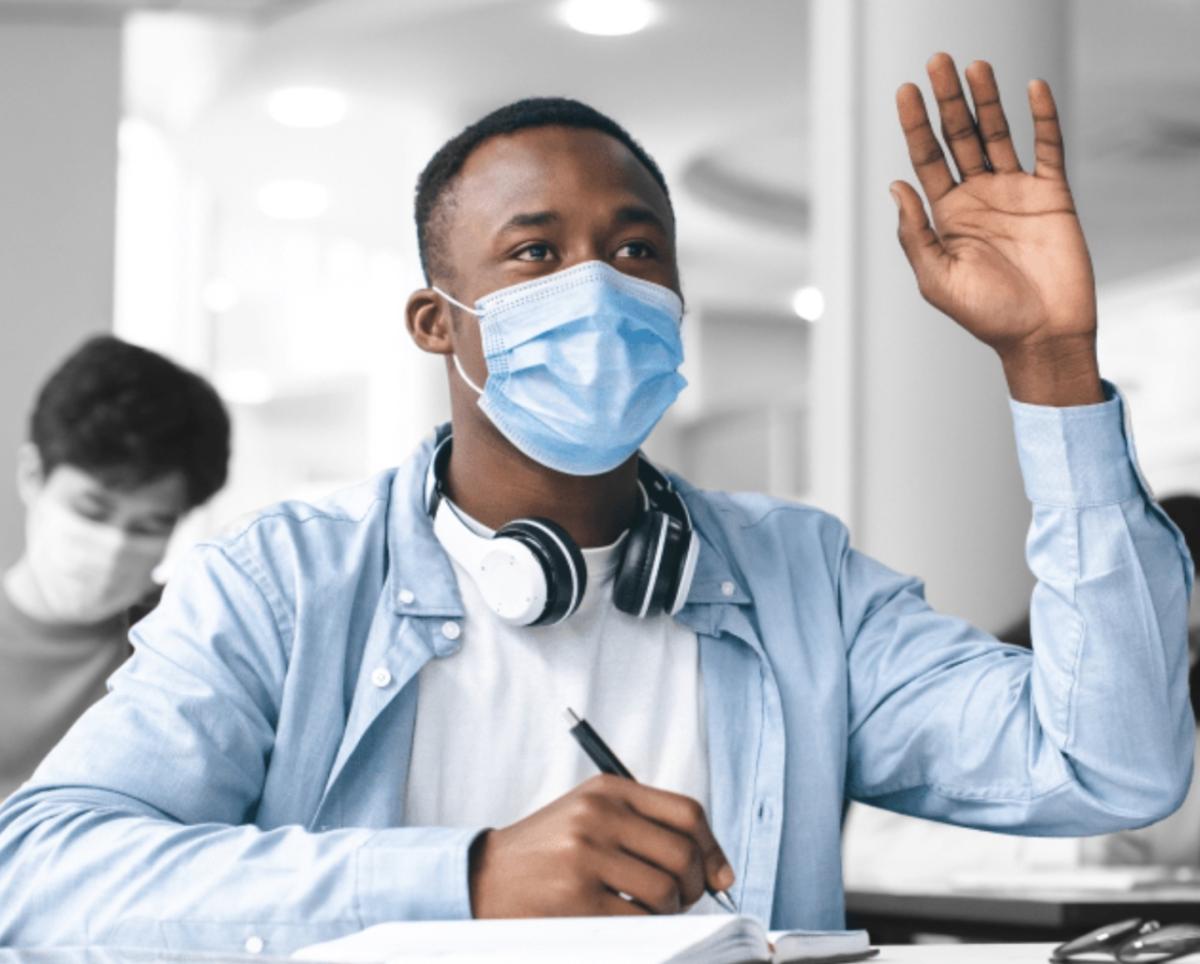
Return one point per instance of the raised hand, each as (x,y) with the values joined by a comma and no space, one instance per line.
(1005,255)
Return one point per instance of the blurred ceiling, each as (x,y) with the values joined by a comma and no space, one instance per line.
(417,71)
(257,9)
(726,120)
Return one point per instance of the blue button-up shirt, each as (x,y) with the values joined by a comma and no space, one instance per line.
(244,778)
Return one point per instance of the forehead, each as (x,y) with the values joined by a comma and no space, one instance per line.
(166,494)
(560,168)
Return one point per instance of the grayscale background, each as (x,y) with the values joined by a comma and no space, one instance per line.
(146,189)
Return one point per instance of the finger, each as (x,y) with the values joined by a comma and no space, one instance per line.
(685,815)
(928,160)
(614,905)
(958,126)
(650,886)
(676,853)
(993,125)
(920,242)
(1047,136)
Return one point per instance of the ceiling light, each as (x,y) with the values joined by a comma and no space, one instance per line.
(306,106)
(293,200)
(608,18)
(808,303)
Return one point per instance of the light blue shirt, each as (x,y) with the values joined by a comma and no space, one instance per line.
(244,779)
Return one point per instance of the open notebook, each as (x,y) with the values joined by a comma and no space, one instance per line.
(709,939)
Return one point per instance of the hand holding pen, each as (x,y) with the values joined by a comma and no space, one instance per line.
(606,762)
(607,837)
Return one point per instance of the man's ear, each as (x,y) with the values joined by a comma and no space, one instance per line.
(428,318)
(30,477)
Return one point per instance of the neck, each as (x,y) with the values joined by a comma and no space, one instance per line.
(494,483)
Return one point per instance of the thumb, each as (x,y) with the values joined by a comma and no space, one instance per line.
(920,242)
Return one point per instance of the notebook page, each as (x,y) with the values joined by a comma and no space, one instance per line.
(800,945)
(587,940)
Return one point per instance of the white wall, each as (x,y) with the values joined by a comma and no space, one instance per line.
(59,106)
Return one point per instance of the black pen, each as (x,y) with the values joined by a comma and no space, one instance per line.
(606,761)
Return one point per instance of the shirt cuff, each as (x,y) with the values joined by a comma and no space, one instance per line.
(415,873)
(1077,456)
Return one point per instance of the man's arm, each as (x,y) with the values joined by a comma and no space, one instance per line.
(136,829)
(1091,731)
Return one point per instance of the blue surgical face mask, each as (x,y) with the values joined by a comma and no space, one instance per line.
(581,364)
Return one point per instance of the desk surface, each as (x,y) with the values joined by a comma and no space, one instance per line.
(966,953)
(931,954)
(1027,915)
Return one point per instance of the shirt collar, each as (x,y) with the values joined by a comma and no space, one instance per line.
(420,576)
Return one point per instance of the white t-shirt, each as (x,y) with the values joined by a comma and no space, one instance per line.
(491,744)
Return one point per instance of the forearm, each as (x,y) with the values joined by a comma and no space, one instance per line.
(135,878)
(1109,614)
(1092,732)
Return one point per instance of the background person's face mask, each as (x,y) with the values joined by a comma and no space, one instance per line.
(581,364)
(87,571)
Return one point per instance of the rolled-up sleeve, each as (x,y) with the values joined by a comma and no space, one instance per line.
(138,830)
(1090,732)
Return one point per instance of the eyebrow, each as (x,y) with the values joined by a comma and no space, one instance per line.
(529,219)
(628,214)
(637,214)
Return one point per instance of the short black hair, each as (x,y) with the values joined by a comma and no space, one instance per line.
(129,416)
(445,165)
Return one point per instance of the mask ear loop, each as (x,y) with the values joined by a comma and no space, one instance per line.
(457,363)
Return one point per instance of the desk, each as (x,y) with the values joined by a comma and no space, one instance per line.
(965,954)
(1006,916)
(934,954)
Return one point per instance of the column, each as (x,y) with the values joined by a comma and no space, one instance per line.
(913,443)
(59,106)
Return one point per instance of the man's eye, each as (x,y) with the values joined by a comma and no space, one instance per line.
(90,511)
(635,249)
(534,252)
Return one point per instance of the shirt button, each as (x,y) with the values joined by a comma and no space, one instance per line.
(254,945)
(727,588)
(381,677)
(451,629)
(406,596)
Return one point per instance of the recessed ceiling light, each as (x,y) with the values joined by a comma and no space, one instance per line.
(293,200)
(808,303)
(306,106)
(608,18)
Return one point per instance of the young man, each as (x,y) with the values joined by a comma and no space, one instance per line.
(122,442)
(351,712)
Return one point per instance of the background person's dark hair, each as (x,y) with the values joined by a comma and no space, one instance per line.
(434,182)
(130,416)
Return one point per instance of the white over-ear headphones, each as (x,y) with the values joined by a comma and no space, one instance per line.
(530,572)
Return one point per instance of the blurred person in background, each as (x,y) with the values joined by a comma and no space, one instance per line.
(122,444)
(893,851)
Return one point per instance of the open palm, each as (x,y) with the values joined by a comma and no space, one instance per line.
(1005,255)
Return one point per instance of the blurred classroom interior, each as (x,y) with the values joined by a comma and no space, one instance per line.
(229,183)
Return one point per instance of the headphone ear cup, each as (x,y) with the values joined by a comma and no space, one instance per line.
(629,585)
(561,561)
(655,552)
(670,567)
